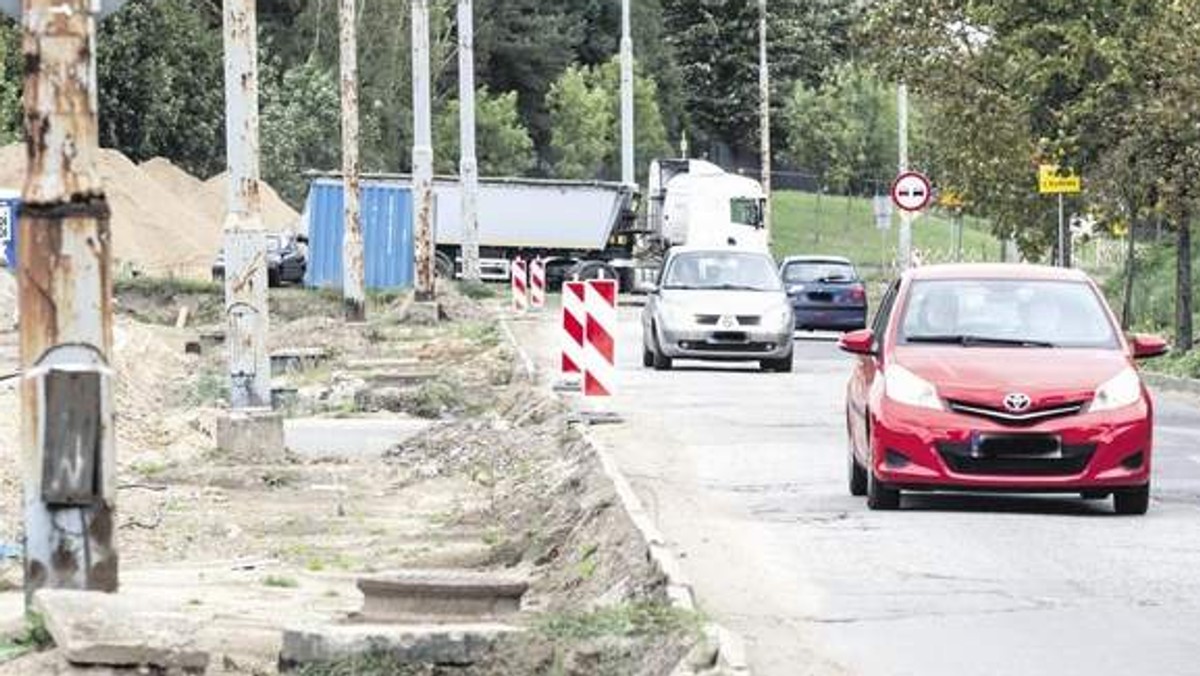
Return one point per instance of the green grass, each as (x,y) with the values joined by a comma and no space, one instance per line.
(807,223)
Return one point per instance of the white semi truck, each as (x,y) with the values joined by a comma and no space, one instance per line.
(696,203)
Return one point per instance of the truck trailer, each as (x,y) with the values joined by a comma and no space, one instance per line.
(584,228)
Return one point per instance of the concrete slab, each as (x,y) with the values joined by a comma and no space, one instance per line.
(405,595)
(348,437)
(446,645)
(92,628)
(379,364)
(296,359)
(251,436)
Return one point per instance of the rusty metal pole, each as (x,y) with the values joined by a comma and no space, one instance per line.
(67,439)
(353,293)
(764,93)
(245,241)
(468,166)
(422,152)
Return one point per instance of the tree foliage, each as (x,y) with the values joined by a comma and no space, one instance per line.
(300,127)
(581,123)
(503,146)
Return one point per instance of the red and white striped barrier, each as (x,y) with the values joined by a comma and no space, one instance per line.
(600,366)
(574,319)
(520,285)
(537,284)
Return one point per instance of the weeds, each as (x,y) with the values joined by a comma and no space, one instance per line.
(34,637)
(476,290)
(484,334)
(280,582)
(1179,365)
(643,618)
(371,664)
(208,388)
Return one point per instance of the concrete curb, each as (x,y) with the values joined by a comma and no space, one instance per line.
(1172,383)
(730,648)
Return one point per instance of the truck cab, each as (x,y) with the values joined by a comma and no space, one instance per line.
(696,203)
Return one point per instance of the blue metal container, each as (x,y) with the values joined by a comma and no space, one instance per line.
(10,207)
(387,234)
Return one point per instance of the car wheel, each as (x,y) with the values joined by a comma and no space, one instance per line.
(858,476)
(880,496)
(1133,501)
(781,365)
(660,361)
(647,357)
(273,280)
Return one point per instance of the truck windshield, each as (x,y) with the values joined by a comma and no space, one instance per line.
(746,211)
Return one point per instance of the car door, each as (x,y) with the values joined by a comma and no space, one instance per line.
(866,370)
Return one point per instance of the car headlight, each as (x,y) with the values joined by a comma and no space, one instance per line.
(781,317)
(905,387)
(1123,389)
(675,315)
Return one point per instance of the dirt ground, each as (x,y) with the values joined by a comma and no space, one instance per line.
(501,481)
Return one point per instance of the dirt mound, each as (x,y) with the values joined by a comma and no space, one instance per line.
(276,214)
(151,232)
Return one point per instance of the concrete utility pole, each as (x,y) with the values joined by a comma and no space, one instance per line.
(764,96)
(67,439)
(906,217)
(628,174)
(245,242)
(422,153)
(468,167)
(353,292)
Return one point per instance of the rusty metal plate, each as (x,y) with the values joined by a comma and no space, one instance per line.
(72,437)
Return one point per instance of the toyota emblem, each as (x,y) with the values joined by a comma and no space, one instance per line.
(1017,402)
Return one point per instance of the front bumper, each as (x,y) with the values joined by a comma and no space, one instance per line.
(739,344)
(924,449)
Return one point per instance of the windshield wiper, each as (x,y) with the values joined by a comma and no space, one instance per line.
(737,287)
(833,279)
(971,340)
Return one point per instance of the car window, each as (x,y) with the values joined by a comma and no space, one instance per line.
(803,272)
(1058,313)
(721,270)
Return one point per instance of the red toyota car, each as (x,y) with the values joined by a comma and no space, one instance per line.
(998,378)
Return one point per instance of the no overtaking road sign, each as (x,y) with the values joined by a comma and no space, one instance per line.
(911,191)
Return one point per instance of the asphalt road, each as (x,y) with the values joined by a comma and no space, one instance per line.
(745,472)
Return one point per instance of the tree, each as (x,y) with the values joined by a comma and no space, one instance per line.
(161,83)
(581,125)
(716,45)
(301,126)
(503,145)
(650,133)
(844,129)
(11,113)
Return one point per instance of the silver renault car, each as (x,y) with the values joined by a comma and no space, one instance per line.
(718,304)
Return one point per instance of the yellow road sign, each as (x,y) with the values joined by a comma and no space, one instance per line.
(951,200)
(1050,182)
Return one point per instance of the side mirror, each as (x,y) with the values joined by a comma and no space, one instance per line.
(858,342)
(1145,346)
(302,239)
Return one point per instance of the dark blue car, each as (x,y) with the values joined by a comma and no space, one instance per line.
(826,293)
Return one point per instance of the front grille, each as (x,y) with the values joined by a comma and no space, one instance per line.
(744,348)
(1009,418)
(730,336)
(707,320)
(1031,455)
(749,320)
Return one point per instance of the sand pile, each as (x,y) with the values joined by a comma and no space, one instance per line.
(164,221)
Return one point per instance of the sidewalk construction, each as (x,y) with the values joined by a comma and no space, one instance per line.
(263,565)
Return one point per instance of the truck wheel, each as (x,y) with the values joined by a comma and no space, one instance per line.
(593,270)
(273,279)
(443,265)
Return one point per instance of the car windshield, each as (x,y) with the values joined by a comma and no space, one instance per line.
(803,272)
(721,270)
(1019,313)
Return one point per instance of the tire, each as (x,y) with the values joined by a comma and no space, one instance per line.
(880,496)
(1094,495)
(781,365)
(273,280)
(1132,501)
(586,270)
(443,265)
(647,357)
(858,476)
(660,361)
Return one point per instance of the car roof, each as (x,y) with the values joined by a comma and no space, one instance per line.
(816,259)
(676,250)
(996,271)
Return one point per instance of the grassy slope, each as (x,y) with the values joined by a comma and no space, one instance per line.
(806,223)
